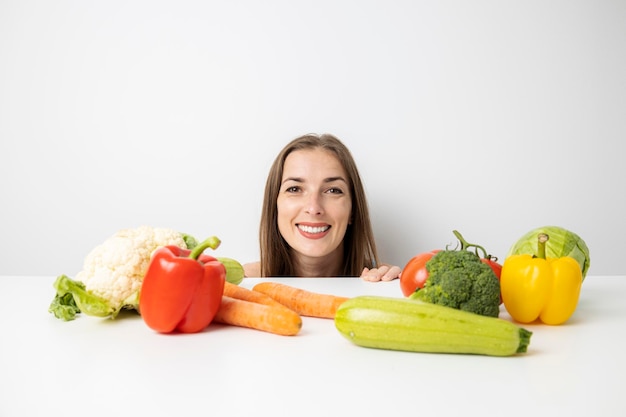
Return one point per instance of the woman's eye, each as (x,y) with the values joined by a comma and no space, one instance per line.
(292,189)
(335,191)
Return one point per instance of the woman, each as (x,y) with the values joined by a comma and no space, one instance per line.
(315,219)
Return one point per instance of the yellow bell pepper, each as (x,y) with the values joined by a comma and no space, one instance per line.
(535,287)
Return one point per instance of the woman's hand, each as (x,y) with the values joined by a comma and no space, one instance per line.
(382,273)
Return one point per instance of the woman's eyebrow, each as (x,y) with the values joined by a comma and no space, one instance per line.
(333,179)
(329,179)
(295,179)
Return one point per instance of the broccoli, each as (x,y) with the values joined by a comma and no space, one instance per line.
(458,279)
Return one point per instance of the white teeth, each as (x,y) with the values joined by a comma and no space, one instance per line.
(310,229)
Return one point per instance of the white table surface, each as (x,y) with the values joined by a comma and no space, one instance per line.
(103,367)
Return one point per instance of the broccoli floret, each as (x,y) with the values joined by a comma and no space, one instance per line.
(458,279)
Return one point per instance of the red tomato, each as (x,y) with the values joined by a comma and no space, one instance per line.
(414,274)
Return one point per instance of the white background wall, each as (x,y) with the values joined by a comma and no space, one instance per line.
(490,117)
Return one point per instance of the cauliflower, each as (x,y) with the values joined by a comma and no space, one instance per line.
(115,269)
(113,272)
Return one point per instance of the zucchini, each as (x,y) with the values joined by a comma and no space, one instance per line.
(234,270)
(416,326)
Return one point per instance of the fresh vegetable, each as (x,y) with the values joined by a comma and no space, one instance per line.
(485,257)
(458,279)
(242,313)
(411,325)
(538,287)
(563,242)
(113,272)
(182,289)
(414,274)
(64,306)
(301,301)
(234,270)
(72,298)
(241,293)
(247,308)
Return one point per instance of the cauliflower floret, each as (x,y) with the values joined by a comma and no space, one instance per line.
(115,269)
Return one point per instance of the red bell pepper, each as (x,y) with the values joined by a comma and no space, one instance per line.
(182,289)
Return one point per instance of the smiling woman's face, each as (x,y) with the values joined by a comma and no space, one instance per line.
(314,204)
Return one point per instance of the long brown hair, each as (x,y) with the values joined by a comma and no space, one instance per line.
(359,245)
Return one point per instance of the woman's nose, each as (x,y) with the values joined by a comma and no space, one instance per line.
(314,205)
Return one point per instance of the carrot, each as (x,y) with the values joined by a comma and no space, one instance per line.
(301,301)
(241,293)
(273,319)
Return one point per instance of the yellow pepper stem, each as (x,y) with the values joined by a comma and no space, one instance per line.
(541,245)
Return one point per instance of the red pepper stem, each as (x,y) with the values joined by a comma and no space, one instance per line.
(542,238)
(465,245)
(213,242)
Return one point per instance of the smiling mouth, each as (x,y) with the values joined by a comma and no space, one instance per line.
(313,230)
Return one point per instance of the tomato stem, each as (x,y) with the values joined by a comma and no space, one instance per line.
(213,242)
(465,246)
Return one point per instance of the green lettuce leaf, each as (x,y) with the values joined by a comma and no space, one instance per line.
(72,298)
